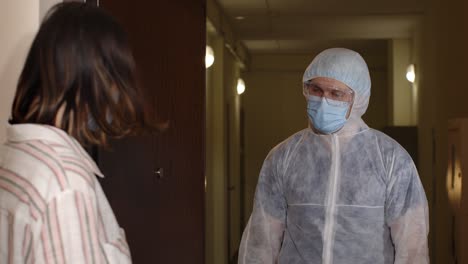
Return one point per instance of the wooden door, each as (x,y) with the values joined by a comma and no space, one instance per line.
(163,213)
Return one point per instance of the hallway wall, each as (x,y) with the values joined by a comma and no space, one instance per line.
(443,57)
(19,21)
(400,96)
(443,93)
(216,182)
(233,109)
(222,195)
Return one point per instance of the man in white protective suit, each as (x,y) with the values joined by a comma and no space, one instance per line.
(338,191)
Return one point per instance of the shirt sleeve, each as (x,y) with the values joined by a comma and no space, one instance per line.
(262,238)
(15,238)
(407,211)
(72,232)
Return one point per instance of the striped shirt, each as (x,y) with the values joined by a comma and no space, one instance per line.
(52,208)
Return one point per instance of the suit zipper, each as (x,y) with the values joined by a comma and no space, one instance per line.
(330,218)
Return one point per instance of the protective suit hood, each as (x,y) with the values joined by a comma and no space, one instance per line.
(348,67)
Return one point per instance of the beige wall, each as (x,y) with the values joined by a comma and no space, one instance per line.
(216,182)
(44,6)
(223,106)
(377,115)
(233,105)
(19,21)
(275,107)
(223,194)
(401,92)
(442,93)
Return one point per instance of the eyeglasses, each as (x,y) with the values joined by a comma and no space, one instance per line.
(332,95)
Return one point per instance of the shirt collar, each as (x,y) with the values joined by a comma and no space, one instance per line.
(28,132)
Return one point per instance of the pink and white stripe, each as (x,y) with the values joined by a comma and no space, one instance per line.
(53,210)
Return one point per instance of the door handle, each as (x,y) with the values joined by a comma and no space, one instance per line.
(159,172)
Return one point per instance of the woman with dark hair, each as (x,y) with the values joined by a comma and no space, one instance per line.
(77,88)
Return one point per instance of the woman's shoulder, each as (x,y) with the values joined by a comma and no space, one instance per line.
(287,146)
(43,173)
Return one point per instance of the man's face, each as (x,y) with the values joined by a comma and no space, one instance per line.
(330,89)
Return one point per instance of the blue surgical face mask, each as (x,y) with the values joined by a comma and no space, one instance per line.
(327,118)
(92,125)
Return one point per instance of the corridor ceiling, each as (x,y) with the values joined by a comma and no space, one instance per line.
(299,26)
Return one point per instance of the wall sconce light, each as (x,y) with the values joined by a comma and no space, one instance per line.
(410,73)
(209,57)
(240,86)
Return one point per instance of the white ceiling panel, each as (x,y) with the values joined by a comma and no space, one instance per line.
(346,27)
(343,7)
(371,47)
(294,26)
(261,45)
(252,25)
(244,7)
(340,23)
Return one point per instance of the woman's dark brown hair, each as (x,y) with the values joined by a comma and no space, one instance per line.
(79,76)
